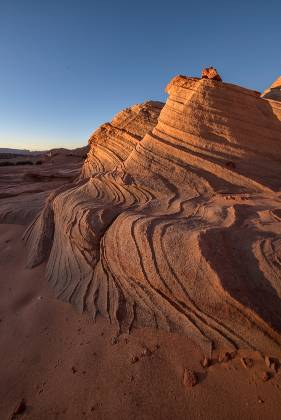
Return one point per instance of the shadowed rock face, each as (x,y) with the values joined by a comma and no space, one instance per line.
(183,233)
(274,91)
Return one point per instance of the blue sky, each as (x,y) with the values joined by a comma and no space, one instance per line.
(67,66)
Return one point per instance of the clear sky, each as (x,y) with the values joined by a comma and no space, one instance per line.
(66,66)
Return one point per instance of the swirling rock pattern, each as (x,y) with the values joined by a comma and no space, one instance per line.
(112,143)
(183,233)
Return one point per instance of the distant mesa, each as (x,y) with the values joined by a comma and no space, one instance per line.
(52,152)
(62,152)
(25,152)
(274,91)
(27,178)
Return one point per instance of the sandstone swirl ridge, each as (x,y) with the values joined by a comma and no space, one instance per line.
(112,142)
(177,227)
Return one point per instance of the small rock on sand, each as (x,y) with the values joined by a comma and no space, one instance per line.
(189,378)
(224,357)
(19,408)
(206,362)
(145,352)
(113,340)
(247,362)
(271,363)
(134,359)
(265,376)
(267,361)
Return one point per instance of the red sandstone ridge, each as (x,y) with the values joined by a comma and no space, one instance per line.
(210,73)
(176,223)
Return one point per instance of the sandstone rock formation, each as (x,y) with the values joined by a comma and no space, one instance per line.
(179,229)
(274,91)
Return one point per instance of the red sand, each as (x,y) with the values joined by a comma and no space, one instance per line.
(67,367)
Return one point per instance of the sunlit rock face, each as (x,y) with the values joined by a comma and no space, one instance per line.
(112,143)
(274,91)
(182,230)
(210,73)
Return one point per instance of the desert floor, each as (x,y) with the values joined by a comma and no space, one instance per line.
(65,366)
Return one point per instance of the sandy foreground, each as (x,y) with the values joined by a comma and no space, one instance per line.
(65,366)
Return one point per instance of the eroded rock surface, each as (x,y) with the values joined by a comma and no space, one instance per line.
(112,143)
(274,91)
(162,231)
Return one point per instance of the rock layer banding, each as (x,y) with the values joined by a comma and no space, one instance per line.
(177,227)
(112,143)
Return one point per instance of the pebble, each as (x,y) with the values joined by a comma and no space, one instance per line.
(224,357)
(113,340)
(267,361)
(145,352)
(189,378)
(274,366)
(134,359)
(20,407)
(271,363)
(265,376)
(247,362)
(206,362)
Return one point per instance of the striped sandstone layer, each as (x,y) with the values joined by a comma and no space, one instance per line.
(112,143)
